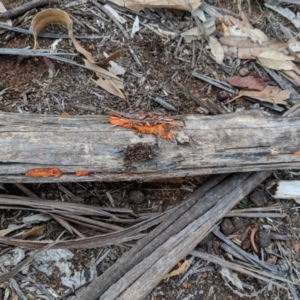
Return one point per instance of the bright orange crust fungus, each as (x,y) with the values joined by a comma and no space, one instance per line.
(80,173)
(46,172)
(297,152)
(150,125)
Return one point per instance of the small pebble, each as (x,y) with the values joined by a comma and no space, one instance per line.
(222,95)
(263,239)
(246,244)
(238,223)
(258,198)
(112,257)
(136,197)
(243,72)
(227,226)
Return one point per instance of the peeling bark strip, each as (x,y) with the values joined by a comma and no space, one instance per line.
(248,141)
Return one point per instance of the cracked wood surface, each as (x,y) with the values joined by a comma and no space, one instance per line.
(247,141)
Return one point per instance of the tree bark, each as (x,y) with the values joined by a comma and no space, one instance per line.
(240,142)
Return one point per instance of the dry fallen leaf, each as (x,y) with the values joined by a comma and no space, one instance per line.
(242,42)
(230,26)
(232,277)
(276,60)
(196,34)
(244,48)
(44,172)
(53,15)
(248,82)
(49,63)
(33,232)
(4,232)
(271,94)
(216,49)
(112,57)
(222,27)
(107,80)
(180,270)
(137,5)
(293,76)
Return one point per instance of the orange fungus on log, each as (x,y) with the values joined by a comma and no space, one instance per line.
(149,125)
(80,173)
(46,172)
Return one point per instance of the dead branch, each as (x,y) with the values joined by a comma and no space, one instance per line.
(203,145)
(15,12)
(153,257)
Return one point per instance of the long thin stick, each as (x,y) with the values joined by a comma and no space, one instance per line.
(15,12)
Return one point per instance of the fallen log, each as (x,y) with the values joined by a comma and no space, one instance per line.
(239,142)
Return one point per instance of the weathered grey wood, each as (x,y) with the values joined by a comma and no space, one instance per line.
(155,238)
(248,141)
(172,243)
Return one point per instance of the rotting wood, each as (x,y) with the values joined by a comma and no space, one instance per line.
(130,259)
(152,258)
(248,141)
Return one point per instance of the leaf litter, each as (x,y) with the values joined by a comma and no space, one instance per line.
(238,34)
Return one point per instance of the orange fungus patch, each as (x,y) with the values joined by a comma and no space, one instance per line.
(149,125)
(80,173)
(46,172)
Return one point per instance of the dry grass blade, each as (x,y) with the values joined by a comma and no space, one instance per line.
(58,207)
(4,232)
(129,234)
(49,35)
(252,272)
(88,222)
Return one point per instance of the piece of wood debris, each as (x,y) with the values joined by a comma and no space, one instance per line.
(180,270)
(288,189)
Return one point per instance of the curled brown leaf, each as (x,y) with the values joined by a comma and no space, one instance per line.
(249,82)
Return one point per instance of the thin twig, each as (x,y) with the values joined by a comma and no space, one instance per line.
(50,35)
(101,7)
(58,219)
(252,235)
(254,273)
(201,27)
(135,58)
(15,12)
